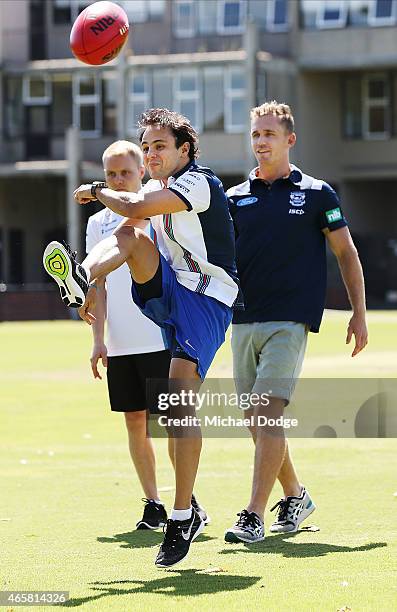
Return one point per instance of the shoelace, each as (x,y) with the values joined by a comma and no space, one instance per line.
(283,505)
(171,531)
(73,254)
(247,519)
(69,250)
(149,503)
(195,504)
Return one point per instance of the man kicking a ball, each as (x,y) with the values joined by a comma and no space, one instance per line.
(186,282)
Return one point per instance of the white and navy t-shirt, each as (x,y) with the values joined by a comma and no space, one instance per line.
(129,332)
(280,246)
(198,242)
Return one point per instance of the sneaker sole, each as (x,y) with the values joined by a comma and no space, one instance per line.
(199,530)
(141,526)
(207,520)
(307,512)
(231,537)
(57,264)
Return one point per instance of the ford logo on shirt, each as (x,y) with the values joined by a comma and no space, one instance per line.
(246,201)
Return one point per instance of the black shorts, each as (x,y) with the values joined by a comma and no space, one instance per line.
(128,375)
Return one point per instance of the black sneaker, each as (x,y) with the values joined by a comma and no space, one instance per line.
(248,528)
(154,515)
(177,539)
(60,263)
(200,511)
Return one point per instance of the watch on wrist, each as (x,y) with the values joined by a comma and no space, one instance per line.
(95,185)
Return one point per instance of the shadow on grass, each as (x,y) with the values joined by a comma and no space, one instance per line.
(280,545)
(175,583)
(142,538)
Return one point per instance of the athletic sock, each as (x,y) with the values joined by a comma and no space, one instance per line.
(181,515)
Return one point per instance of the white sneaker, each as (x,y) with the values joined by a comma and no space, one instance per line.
(60,263)
(292,511)
(248,528)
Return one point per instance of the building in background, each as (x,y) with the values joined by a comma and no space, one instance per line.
(334,61)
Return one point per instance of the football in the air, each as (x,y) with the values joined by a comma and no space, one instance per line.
(99,33)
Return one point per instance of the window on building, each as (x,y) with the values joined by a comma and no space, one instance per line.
(332,14)
(258,11)
(13,107)
(207,16)
(358,12)
(187,96)
(376,106)
(62,11)
(109,102)
(309,10)
(382,12)
(277,15)
(36,89)
(162,88)
(136,10)
(139,11)
(213,99)
(367,106)
(352,111)
(231,15)
(184,18)
(235,100)
(62,103)
(138,98)
(67,11)
(87,104)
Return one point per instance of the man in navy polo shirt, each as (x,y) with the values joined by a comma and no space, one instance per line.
(282,219)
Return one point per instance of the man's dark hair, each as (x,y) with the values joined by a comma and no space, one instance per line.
(179,125)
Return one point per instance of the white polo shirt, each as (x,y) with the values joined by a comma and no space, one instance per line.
(128,331)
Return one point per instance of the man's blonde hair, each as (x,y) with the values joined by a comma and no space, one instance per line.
(123,147)
(282,111)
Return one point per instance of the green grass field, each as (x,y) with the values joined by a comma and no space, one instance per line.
(70,499)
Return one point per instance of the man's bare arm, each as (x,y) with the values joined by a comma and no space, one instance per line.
(133,205)
(341,244)
(99,350)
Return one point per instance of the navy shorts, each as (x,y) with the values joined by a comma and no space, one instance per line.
(195,322)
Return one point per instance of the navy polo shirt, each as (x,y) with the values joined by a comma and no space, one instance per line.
(280,246)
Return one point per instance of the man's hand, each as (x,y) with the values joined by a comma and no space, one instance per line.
(357,327)
(85,311)
(83,194)
(99,351)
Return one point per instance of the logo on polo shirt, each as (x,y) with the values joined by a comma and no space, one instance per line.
(297,198)
(246,201)
(333,215)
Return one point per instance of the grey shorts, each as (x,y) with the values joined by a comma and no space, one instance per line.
(272,351)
